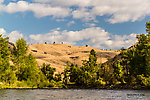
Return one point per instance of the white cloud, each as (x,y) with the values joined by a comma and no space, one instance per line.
(67,3)
(40,10)
(14,36)
(60,20)
(90,24)
(95,37)
(2,31)
(119,41)
(119,11)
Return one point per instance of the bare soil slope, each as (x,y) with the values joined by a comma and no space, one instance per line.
(58,54)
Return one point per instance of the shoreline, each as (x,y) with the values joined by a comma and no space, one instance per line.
(78,88)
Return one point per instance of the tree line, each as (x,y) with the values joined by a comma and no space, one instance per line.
(132,70)
(25,71)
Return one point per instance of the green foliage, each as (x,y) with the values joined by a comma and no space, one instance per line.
(22,84)
(9,76)
(88,74)
(57,84)
(6,86)
(148,27)
(66,74)
(21,48)
(57,77)
(106,73)
(138,57)
(6,73)
(28,70)
(118,71)
(144,80)
(26,65)
(75,73)
(4,54)
(25,72)
(92,57)
(133,69)
(48,71)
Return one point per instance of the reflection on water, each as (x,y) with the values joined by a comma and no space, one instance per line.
(73,94)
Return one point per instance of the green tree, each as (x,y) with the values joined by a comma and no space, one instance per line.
(4,54)
(87,75)
(43,81)
(6,72)
(75,74)
(93,57)
(137,58)
(48,71)
(26,65)
(119,72)
(21,48)
(28,71)
(57,77)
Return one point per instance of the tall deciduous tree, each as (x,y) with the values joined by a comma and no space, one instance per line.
(27,69)
(6,73)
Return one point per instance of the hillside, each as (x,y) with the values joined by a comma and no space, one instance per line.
(58,54)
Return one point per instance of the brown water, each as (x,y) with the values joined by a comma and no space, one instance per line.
(73,94)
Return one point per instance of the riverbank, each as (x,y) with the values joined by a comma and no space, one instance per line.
(125,87)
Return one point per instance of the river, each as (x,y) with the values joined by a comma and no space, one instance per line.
(73,94)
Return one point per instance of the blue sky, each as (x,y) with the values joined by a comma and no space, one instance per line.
(102,24)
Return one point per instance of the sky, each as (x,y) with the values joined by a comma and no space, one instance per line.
(102,24)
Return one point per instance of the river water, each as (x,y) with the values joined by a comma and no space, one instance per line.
(73,94)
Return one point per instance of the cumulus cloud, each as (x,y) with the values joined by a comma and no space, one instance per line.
(119,41)
(90,24)
(118,10)
(67,3)
(2,31)
(95,37)
(14,35)
(40,10)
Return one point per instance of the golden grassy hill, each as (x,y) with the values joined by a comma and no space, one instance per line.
(58,54)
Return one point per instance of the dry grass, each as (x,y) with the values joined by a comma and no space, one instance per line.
(58,54)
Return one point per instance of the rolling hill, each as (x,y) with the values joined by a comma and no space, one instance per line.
(59,54)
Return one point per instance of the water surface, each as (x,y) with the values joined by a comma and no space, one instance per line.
(73,94)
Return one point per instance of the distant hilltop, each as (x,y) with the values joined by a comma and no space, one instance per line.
(59,54)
